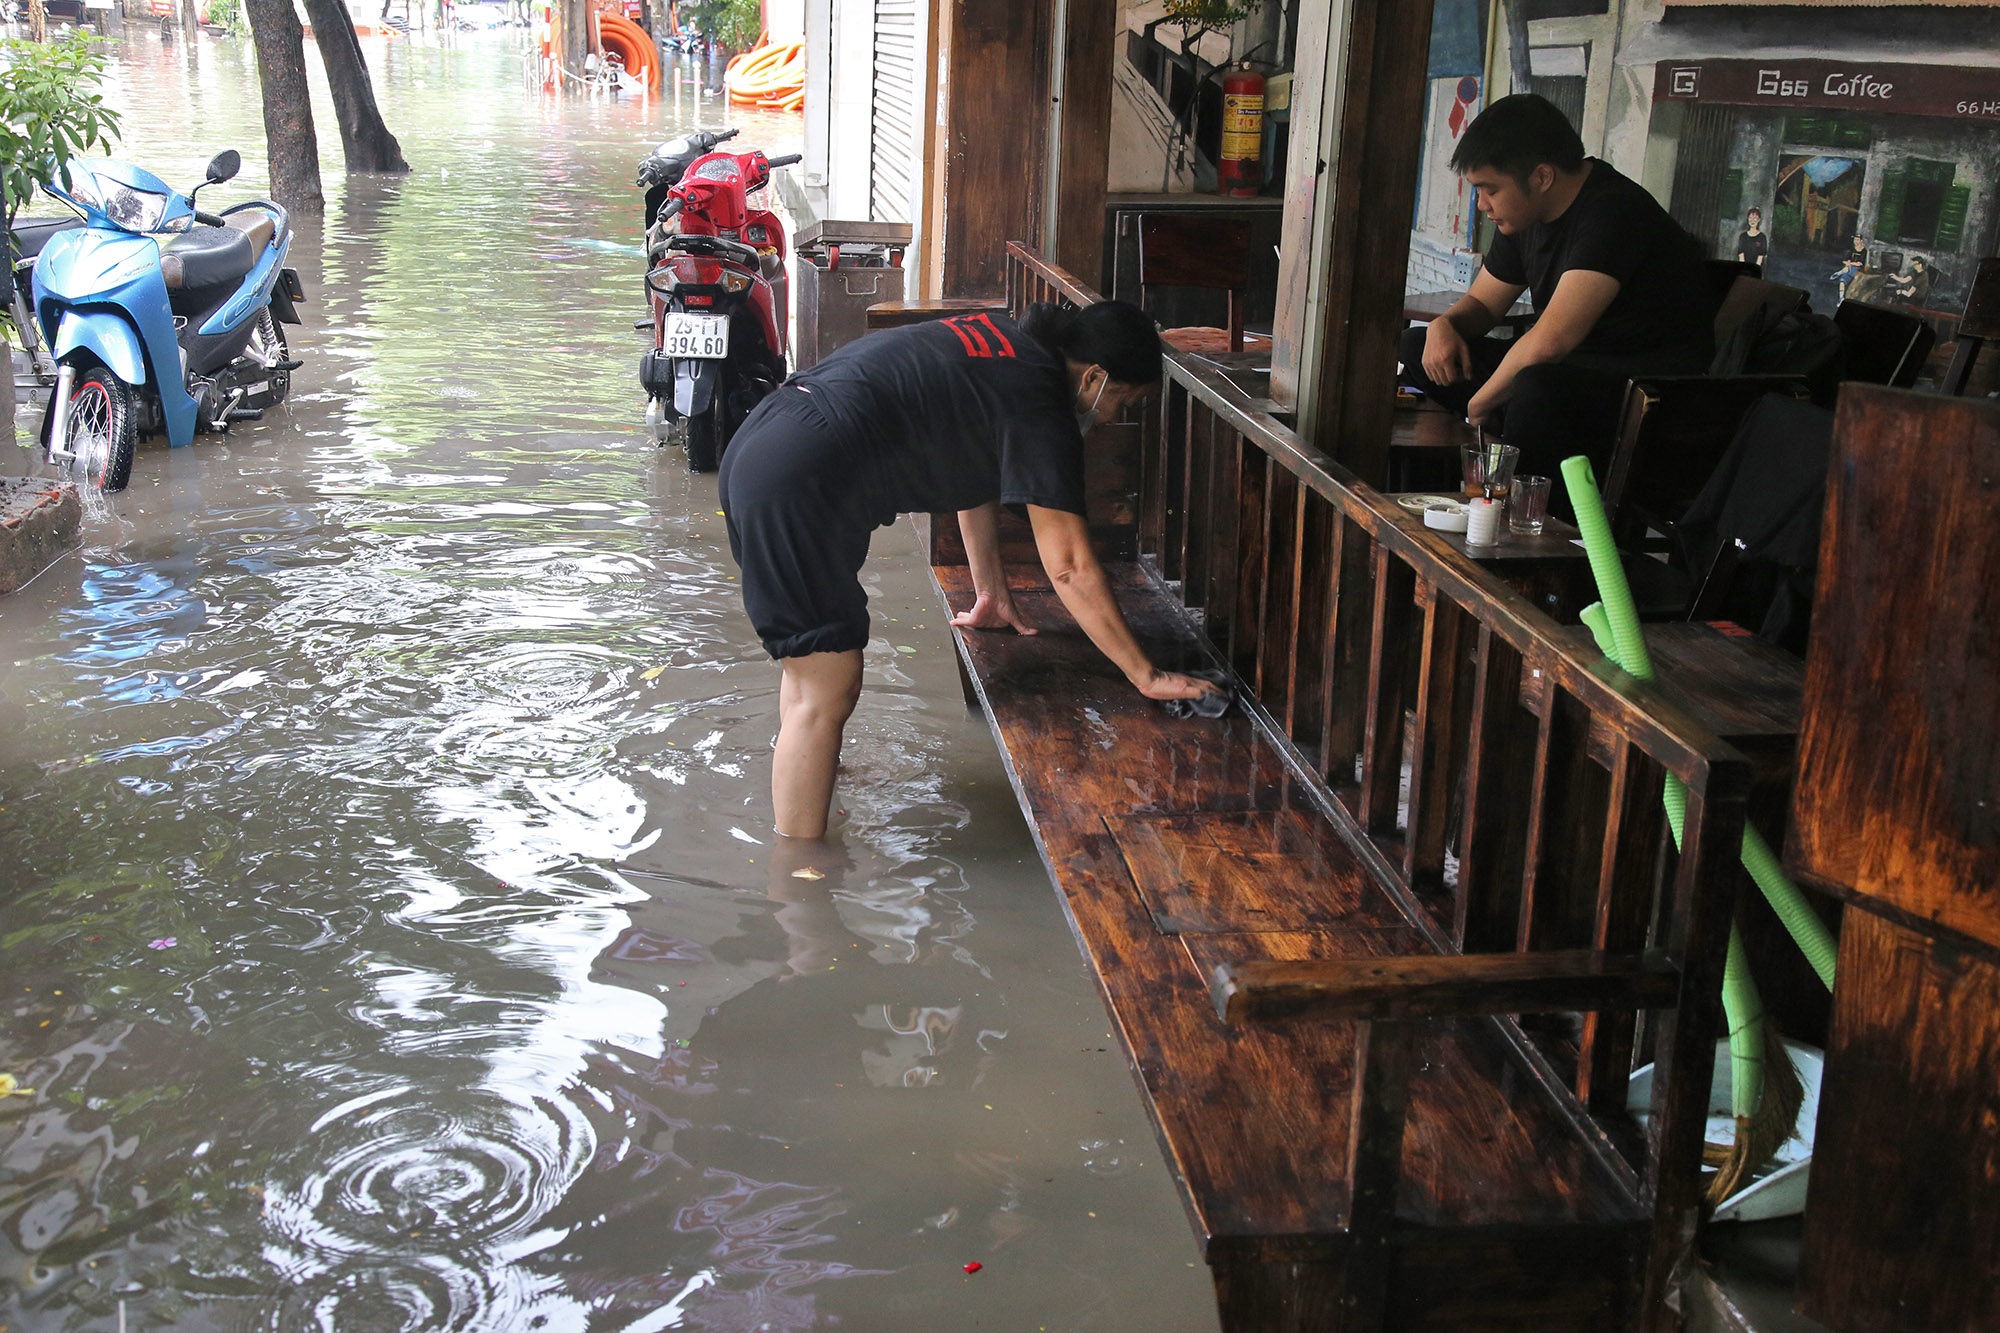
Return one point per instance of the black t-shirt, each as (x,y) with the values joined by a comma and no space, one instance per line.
(1661,314)
(952,414)
(1752,248)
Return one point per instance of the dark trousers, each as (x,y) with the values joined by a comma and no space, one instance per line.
(1557,409)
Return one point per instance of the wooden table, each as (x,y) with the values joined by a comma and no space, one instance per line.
(1248,371)
(1423,307)
(1748,692)
(1550,568)
(895,314)
(1424,440)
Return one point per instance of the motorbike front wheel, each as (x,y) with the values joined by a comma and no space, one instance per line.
(98,436)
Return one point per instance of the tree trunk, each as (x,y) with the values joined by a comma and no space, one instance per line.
(575,34)
(38,21)
(1518,67)
(364,139)
(288,122)
(190,24)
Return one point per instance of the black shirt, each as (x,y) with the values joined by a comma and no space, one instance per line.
(1753,248)
(950,415)
(1661,317)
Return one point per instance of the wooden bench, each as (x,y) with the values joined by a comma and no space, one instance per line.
(895,314)
(1318,922)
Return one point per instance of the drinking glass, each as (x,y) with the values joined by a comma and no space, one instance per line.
(1528,506)
(1488,469)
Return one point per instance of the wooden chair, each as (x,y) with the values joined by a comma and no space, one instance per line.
(1980,321)
(1754,528)
(1188,250)
(1673,432)
(1881,346)
(1674,429)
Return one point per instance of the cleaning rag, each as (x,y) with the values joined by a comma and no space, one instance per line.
(1207,705)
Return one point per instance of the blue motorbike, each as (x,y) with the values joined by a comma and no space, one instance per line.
(158,316)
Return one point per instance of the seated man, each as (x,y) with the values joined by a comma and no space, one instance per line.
(1913,287)
(1619,290)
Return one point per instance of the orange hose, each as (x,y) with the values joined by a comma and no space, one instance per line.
(632,45)
(771,76)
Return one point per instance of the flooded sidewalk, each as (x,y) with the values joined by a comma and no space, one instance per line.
(392,929)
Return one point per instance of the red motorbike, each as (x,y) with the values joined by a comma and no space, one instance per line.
(716,278)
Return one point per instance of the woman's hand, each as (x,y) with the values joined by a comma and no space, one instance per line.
(995,612)
(1173,685)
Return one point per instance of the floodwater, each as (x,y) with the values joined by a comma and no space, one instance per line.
(389,919)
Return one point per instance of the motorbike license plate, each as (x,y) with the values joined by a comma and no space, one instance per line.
(697,337)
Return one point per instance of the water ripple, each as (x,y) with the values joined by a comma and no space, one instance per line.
(396,1210)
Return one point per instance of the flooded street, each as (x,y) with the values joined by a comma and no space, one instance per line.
(389,916)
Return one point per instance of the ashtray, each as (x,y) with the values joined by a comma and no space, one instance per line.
(1448,517)
(1419,503)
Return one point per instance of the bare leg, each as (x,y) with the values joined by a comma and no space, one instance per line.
(815,699)
(815,937)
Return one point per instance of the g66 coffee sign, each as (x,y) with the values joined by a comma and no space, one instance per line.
(1862,85)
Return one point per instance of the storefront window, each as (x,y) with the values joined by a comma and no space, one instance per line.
(1922,206)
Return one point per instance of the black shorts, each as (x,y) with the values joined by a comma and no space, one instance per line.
(785,481)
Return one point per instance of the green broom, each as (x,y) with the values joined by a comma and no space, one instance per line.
(1765,1092)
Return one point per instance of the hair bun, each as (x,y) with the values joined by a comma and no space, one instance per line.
(1051,325)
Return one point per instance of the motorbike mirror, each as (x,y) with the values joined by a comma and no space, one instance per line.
(224,166)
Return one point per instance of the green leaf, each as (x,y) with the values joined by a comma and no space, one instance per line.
(52,111)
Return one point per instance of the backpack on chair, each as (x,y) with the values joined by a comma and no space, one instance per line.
(1798,342)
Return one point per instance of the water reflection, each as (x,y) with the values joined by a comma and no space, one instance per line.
(393,933)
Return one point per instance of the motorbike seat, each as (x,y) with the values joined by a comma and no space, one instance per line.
(259,226)
(207,257)
(719,246)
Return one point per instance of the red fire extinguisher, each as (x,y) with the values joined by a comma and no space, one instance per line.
(1239,171)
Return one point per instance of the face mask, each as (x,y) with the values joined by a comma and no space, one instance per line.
(1086,419)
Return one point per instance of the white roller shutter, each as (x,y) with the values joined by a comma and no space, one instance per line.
(892,113)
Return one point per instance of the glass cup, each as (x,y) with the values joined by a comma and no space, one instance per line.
(1488,469)
(1528,507)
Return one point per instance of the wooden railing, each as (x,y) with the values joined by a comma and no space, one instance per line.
(1500,778)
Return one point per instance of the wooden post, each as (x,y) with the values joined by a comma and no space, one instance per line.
(1704,892)
(1351,183)
(994,87)
(1893,811)
(1080,151)
(1385,1054)
(929,277)
(1305,163)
